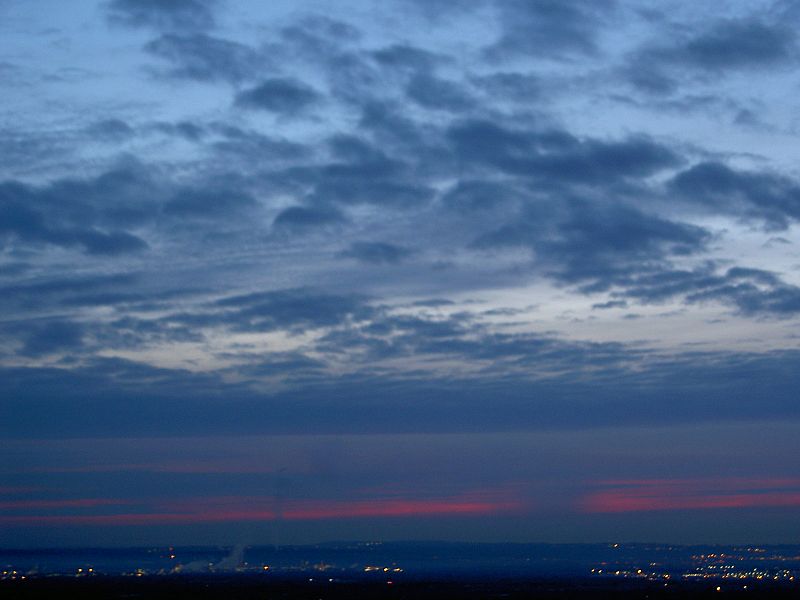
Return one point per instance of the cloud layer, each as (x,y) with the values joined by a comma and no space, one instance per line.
(452,217)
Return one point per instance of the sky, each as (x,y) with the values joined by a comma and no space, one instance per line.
(486,270)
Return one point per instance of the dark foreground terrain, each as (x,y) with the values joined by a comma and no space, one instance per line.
(234,587)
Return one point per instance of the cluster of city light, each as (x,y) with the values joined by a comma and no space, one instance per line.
(722,573)
(370,568)
(640,573)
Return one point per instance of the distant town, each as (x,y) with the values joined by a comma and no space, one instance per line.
(399,561)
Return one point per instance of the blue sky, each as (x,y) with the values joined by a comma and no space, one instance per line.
(476,269)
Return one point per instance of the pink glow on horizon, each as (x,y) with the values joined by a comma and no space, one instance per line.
(621,496)
(229,509)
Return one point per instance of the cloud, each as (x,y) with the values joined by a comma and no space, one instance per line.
(595,244)
(478,195)
(442,10)
(771,198)
(751,292)
(509,86)
(187,130)
(550,28)
(291,309)
(52,336)
(285,96)
(316,37)
(299,218)
(209,204)
(408,58)
(736,43)
(202,57)
(250,146)
(53,291)
(556,155)
(115,130)
(621,387)
(21,223)
(279,365)
(376,253)
(724,46)
(432,92)
(163,14)
(468,341)
(227,509)
(100,243)
(691,494)
(610,304)
(277,250)
(359,174)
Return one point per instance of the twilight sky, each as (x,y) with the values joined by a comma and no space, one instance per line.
(488,270)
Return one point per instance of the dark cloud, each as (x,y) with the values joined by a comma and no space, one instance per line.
(360,173)
(303,218)
(432,92)
(98,242)
(294,309)
(27,152)
(781,301)
(163,14)
(734,44)
(595,244)
(205,58)
(512,87)
(477,195)
(279,365)
(285,96)
(19,223)
(724,46)
(113,213)
(188,130)
(556,155)
(610,304)
(115,130)
(127,398)
(389,123)
(751,292)
(376,253)
(50,337)
(209,204)
(443,10)
(14,269)
(132,333)
(251,146)
(119,197)
(550,28)
(124,298)
(56,290)
(316,37)
(95,214)
(771,198)
(408,58)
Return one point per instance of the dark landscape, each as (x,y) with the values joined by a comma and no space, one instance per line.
(250,587)
(406,570)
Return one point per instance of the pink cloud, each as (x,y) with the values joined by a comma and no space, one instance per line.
(233,508)
(620,496)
